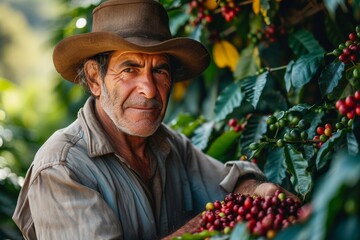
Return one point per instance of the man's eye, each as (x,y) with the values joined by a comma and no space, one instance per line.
(128,70)
(160,71)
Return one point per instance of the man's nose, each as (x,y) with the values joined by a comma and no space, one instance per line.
(147,85)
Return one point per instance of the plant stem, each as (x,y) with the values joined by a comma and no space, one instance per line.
(277,68)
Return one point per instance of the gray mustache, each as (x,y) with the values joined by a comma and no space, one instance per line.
(145,103)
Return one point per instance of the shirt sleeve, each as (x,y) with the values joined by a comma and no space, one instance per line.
(208,172)
(62,208)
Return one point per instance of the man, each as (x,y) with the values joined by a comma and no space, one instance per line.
(117,172)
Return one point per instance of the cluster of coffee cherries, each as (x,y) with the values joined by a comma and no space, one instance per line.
(296,128)
(238,125)
(270,34)
(350,106)
(229,11)
(262,216)
(202,14)
(323,133)
(205,11)
(349,51)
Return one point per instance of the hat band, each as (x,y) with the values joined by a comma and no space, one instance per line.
(142,34)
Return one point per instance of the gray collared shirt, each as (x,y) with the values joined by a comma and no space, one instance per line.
(78,188)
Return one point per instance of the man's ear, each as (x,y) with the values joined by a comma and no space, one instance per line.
(93,77)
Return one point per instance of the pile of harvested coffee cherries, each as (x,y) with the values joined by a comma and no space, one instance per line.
(264,217)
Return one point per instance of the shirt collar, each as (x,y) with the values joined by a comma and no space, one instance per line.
(97,140)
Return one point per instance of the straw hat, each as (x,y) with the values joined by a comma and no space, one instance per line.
(130,25)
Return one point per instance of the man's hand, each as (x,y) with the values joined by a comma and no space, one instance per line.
(261,189)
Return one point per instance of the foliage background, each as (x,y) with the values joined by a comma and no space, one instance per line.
(246,80)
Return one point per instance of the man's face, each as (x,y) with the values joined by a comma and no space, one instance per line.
(135,91)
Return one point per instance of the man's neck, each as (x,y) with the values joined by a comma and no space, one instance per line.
(131,148)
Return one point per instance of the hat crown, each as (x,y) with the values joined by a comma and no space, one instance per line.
(133,19)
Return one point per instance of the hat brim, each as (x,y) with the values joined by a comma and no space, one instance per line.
(191,56)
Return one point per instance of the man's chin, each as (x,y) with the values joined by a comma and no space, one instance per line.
(141,130)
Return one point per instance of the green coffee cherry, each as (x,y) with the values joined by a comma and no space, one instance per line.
(337,52)
(254,146)
(294,121)
(303,124)
(280,143)
(283,122)
(342,46)
(351,206)
(356,73)
(304,135)
(339,126)
(274,127)
(287,137)
(344,120)
(295,134)
(271,120)
(357,29)
(323,138)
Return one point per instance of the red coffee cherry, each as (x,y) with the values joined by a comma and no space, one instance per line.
(352,36)
(320,130)
(357,110)
(357,95)
(350,101)
(232,122)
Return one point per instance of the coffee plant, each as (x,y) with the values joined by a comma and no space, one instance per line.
(287,98)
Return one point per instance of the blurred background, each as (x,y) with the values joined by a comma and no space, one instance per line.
(32,102)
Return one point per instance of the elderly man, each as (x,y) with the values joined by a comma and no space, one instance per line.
(117,172)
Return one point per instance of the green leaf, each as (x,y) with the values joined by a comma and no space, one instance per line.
(272,101)
(314,119)
(332,5)
(297,166)
(230,98)
(287,76)
(240,232)
(181,121)
(190,128)
(348,228)
(248,63)
(328,146)
(279,114)
(303,42)
(356,129)
(303,107)
(275,167)
(352,144)
(255,128)
(202,135)
(177,18)
(293,232)
(305,68)
(330,77)
(186,124)
(344,172)
(196,34)
(222,144)
(253,87)
(342,90)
